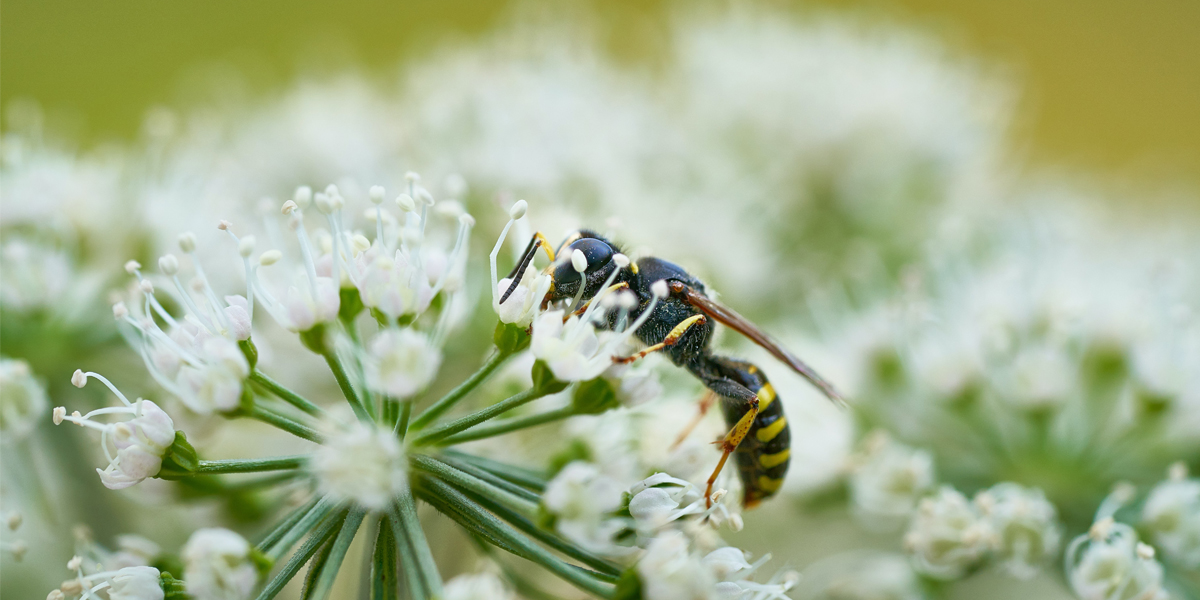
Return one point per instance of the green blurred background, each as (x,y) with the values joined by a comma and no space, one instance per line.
(1108,86)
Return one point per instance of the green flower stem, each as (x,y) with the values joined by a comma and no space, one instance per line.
(306,551)
(284,423)
(438,433)
(493,529)
(525,478)
(495,480)
(449,400)
(384,585)
(286,525)
(554,542)
(252,465)
(404,517)
(285,394)
(315,568)
(469,482)
(262,482)
(337,553)
(508,425)
(408,560)
(306,523)
(405,415)
(362,411)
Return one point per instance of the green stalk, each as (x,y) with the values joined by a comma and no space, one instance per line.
(315,568)
(285,394)
(525,478)
(337,554)
(252,465)
(404,516)
(408,560)
(449,400)
(438,433)
(467,481)
(318,538)
(508,425)
(384,585)
(554,542)
(262,482)
(403,420)
(343,379)
(492,528)
(286,525)
(284,423)
(495,480)
(311,519)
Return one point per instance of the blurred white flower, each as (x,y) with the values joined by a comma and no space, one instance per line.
(889,479)
(129,583)
(401,362)
(479,586)
(861,576)
(1109,563)
(583,500)
(669,570)
(140,443)
(22,400)
(1025,526)
(1171,515)
(948,536)
(217,565)
(361,463)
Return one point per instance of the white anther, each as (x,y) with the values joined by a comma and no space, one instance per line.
(75,563)
(168,264)
(132,267)
(323,202)
(119,311)
(375,194)
(269,257)
(466,219)
(246,246)
(411,177)
(1100,529)
(424,196)
(56,595)
(659,288)
(626,300)
(405,202)
(579,261)
(518,210)
(1178,471)
(289,207)
(197,284)
(60,413)
(1145,551)
(621,260)
(360,243)
(146,286)
(331,190)
(301,197)
(224,225)
(187,242)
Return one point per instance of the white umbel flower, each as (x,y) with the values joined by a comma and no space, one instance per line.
(401,363)
(583,500)
(660,500)
(361,463)
(1171,515)
(129,583)
(479,586)
(1025,524)
(22,400)
(887,482)
(948,536)
(669,570)
(217,565)
(525,302)
(574,348)
(1108,563)
(140,443)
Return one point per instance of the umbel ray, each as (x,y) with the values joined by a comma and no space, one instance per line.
(681,325)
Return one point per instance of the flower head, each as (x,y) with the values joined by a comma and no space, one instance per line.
(1108,563)
(217,565)
(948,536)
(1171,515)
(22,399)
(1025,526)
(362,463)
(401,362)
(889,480)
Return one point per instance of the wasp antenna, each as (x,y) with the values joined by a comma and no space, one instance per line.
(519,271)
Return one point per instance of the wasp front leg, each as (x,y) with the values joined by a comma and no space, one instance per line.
(672,338)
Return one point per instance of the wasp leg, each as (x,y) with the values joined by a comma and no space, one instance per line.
(671,339)
(730,390)
(705,403)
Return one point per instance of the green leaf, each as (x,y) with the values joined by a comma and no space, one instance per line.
(250,351)
(314,339)
(544,381)
(180,459)
(594,397)
(510,339)
(351,304)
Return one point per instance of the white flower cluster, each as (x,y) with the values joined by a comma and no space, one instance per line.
(22,400)
(1109,563)
(1171,515)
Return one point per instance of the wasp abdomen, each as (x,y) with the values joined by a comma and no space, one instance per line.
(762,457)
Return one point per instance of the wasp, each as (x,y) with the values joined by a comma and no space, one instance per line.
(681,325)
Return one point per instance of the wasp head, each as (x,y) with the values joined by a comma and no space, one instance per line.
(585,260)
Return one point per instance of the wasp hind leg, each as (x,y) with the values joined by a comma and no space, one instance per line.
(731,391)
(706,403)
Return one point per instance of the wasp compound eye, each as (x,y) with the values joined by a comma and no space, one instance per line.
(597,252)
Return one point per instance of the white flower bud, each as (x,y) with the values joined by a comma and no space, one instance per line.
(405,202)
(187,242)
(402,363)
(168,264)
(376,194)
(217,565)
(301,197)
(120,311)
(424,196)
(132,267)
(78,379)
(363,463)
(518,210)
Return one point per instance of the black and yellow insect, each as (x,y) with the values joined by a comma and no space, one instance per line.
(681,325)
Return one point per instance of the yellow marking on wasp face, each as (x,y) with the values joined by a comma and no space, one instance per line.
(769,432)
(545,245)
(774,460)
(769,484)
(766,395)
(633,266)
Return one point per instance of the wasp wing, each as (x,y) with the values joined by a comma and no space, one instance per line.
(728,317)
